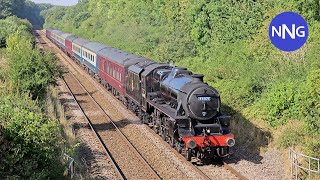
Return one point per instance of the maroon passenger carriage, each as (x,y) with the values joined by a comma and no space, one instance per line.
(173,101)
(113,65)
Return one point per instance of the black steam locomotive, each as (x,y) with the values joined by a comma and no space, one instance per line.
(184,111)
(173,101)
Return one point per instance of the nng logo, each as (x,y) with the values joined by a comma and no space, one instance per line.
(293,32)
(288,31)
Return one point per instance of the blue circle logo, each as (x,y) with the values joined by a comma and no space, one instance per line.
(288,31)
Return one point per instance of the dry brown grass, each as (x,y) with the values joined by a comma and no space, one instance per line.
(56,110)
(3,60)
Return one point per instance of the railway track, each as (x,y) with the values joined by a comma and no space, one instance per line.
(127,161)
(204,175)
(233,171)
(96,122)
(107,152)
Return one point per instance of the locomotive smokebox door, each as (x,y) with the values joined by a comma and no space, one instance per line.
(203,103)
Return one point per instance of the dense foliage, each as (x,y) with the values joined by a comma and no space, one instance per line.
(10,25)
(24,9)
(30,142)
(15,13)
(32,147)
(225,40)
(30,70)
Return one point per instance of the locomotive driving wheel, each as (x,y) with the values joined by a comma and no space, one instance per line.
(163,133)
(188,154)
(172,142)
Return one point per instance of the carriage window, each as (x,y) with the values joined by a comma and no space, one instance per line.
(117,74)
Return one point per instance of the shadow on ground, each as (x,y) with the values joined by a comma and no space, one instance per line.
(249,138)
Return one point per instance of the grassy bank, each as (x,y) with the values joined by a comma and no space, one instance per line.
(33,143)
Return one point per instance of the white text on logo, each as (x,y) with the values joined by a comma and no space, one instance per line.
(281,31)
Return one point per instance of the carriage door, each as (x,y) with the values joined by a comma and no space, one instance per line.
(143,91)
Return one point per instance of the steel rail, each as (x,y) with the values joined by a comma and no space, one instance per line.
(107,152)
(118,170)
(110,118)
(233,171)
(116,127)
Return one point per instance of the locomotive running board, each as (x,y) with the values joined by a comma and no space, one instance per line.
(167,110)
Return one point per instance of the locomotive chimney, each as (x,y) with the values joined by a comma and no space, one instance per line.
(198,76)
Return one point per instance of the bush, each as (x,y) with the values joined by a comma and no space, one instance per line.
(34,143)
(30,142)
(29,69)
(280,101)
(10,25)
(311,101)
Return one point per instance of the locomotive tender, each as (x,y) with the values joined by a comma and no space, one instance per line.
(175,103)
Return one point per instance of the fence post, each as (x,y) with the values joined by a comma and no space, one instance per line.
(318,166)
(291,165)
(309,171)
(313,165)
(296,164)
(71,165)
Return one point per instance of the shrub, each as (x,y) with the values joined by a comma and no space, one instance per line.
(34,142)
(311,101)
(10,25)
(29,69)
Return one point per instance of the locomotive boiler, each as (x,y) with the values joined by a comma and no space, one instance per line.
(198,100)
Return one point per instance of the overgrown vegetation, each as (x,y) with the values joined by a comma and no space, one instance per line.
(11,25)
(30,70)
(30,142)
(32,148)
(23,9)
(228,42)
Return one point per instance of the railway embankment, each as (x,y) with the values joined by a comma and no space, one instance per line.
(31,141)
